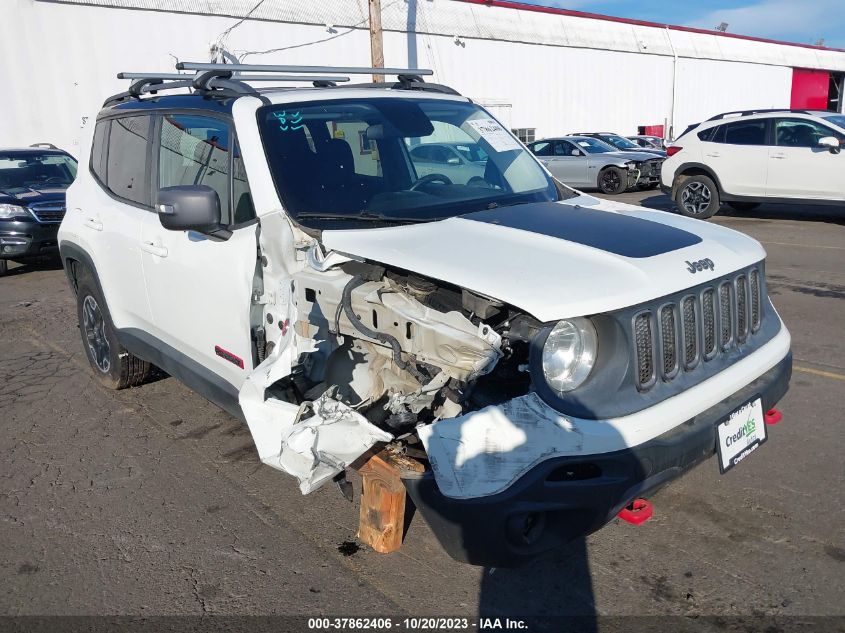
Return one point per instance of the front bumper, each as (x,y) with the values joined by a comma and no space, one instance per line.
(565,498)
(27,240)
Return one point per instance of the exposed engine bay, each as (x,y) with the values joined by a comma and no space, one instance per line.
(375,354)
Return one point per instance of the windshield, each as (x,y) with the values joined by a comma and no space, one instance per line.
(618,141)
(395,159)
(593,145)
(837,119)
(31,170)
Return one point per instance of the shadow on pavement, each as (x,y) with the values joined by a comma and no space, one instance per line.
(834,214)
(49,263)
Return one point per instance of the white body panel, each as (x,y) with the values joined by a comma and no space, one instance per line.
(110,232)
(741,168)
(805,173)
(548,277)
(200,294)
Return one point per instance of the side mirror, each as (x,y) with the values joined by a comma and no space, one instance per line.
(453,160)
(831,143)
(190,208)
(577,152)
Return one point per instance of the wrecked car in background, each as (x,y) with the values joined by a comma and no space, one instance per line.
(540,357)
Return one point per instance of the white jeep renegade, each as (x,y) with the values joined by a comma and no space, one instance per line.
(542,356)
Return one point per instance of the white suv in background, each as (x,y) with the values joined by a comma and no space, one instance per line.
(746,158)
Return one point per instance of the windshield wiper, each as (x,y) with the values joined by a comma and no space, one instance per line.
(366,216)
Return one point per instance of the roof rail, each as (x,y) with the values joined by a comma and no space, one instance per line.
(228,80)
(275,68)
(44,145)
(750,112)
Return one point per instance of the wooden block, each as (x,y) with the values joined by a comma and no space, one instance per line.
(382,518)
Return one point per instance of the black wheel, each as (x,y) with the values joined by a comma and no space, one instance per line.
(613,180)
(4,266)
(743,206)
(697,197)
(113,366)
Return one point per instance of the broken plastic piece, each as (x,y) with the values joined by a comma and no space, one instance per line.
(316,449)
(773,416)
(637,512)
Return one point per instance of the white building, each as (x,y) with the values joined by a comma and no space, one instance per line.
(542,71)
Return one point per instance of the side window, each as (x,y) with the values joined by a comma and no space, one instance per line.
(99,150)
(542,148)
(563,148)
(194,150)
(801,133)
(242,208)
(127,173)
(745,132)
(709,134)
(421,152)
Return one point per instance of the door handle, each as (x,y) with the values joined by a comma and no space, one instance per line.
(153,249)
(713,155)
(779,155)
(93,223)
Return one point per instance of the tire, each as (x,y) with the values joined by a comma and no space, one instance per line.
(743,206)
(113,366)
(612,180)
(697,197)
(4,267)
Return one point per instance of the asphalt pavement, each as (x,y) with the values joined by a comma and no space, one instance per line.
(152,501)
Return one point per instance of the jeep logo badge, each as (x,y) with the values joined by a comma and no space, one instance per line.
(701,264)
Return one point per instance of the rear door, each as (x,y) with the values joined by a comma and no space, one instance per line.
(799,167)
(200,289)
(738,153)
(112,214)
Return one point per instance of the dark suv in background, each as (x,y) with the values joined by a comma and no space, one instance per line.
(33,181)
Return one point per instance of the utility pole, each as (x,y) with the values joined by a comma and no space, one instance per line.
(376,42)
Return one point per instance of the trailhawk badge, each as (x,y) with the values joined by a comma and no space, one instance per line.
(701,264)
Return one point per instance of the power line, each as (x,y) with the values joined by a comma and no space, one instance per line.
(320,41)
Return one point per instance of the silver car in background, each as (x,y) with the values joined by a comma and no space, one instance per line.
(587,163)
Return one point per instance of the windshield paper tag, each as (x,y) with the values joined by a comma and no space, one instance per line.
(498,137)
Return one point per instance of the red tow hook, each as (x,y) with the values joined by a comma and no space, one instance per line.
(637,512)
(772,416)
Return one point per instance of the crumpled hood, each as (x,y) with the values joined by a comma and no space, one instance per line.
(578,257)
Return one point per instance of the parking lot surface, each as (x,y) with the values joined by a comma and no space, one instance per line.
(153,501)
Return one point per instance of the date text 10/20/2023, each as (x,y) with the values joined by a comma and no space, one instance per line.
(415,623)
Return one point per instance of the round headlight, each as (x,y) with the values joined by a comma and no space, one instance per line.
(569,354)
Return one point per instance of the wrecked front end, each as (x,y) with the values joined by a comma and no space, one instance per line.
(524,434)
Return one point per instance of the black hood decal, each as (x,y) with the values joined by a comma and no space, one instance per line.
(612,232)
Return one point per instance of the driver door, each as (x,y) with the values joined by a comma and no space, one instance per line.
(200,289)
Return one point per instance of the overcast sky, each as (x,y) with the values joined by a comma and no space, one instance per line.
(804,21)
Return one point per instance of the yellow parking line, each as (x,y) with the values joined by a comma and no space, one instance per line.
(837,248)
(819,372)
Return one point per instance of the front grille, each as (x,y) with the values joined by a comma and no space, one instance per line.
(741,308)
(689,321)
(644,341)
(653,167)
(725,314)
(754,283)
(48,212)
(668,340)
(697,328)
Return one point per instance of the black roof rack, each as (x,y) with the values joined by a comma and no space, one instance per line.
(227,80)
(750,112)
